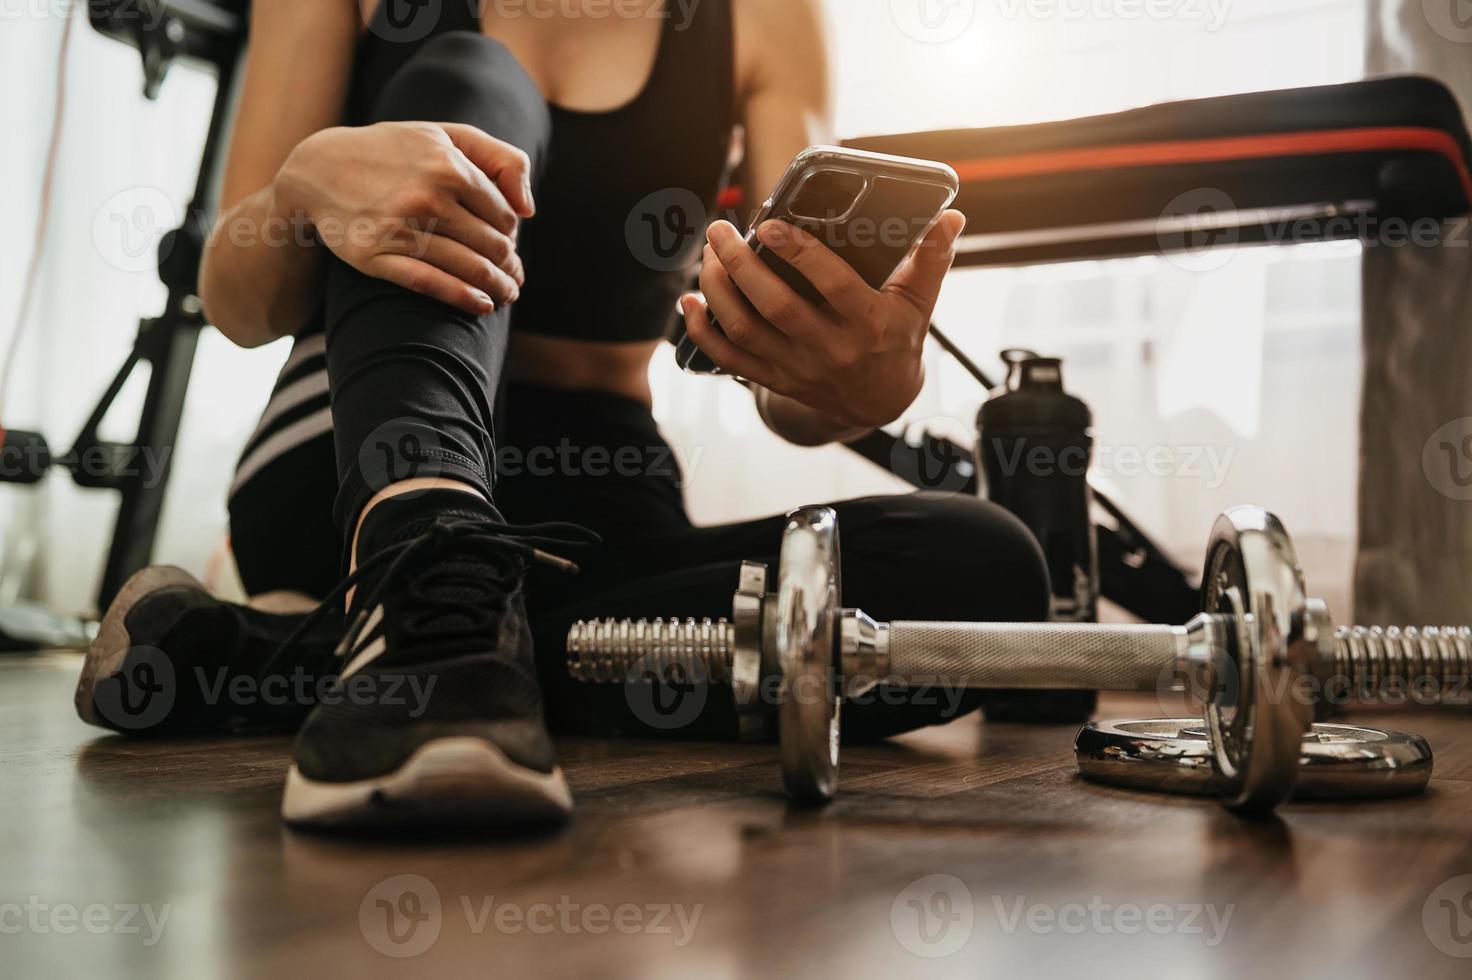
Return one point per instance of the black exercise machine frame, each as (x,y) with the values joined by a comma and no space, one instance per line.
(212,35)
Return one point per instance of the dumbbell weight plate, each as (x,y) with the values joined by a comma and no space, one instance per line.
(1257,714)
(1336,762)
(806,628)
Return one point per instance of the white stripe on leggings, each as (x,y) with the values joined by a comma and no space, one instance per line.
(289,438)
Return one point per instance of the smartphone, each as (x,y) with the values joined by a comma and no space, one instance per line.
(872,209)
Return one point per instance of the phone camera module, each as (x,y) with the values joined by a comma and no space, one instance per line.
(828,195)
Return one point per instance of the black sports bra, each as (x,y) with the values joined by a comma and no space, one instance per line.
(624,194)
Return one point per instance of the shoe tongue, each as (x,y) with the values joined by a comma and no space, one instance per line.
(471,579)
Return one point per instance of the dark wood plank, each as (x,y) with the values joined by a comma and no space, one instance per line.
(1323,890)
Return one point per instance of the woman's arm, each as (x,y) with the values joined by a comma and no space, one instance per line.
(260,274)
(824,375)
(432,207)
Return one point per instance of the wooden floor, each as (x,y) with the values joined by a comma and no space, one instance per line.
(685,861)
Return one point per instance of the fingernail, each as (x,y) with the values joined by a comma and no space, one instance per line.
(526,188)
(773,233)
(485,301)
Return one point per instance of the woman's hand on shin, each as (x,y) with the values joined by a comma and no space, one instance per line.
(432,207)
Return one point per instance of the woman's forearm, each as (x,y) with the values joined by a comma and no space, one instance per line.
(801,425)
(261,274)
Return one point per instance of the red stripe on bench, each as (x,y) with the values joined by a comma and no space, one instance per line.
(730,199)
(1214,150)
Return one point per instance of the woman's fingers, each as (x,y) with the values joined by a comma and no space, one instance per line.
(744,326)
(480,195)
(843,288)
(420,277)
(727,356)
(776,301)
(507,166)
(469,230)
(470,267)
(920,278)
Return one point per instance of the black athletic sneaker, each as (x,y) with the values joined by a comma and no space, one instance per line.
(171,659)
(440,716)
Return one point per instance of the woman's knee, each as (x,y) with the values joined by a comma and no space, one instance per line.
(943,557)
(466,77)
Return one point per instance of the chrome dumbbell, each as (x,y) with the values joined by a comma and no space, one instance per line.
(795,652)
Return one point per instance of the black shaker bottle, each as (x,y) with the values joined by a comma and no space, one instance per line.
(1034,453)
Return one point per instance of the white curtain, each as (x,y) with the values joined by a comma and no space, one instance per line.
(127,166)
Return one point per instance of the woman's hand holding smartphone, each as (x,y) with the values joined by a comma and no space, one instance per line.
(831,309)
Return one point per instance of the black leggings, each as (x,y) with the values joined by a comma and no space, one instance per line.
(413,381)
(414,388)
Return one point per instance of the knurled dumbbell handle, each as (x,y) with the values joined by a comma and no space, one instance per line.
(1072,656)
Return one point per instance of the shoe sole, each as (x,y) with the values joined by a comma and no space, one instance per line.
(462,782)
(110,647)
